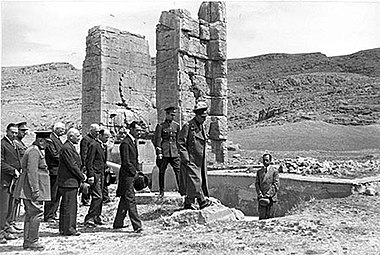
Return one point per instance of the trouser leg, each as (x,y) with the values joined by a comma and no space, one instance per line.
(161,174)
(34,214)
(96,191)
(68,211)
(120,213)
(51,207)
(176,164)
(4,202)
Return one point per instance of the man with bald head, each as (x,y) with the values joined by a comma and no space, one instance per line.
(54,146)
(84,146)
(69,178)
(96,166)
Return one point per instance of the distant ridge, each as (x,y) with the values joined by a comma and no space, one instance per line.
(270,89)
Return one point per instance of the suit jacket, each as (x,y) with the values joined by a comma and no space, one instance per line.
(10,161)
(34,177)
(54,146)
(96,158)
(267,182)
(69,169)
(129,164)
(166,138)
(192,148)
(83,147)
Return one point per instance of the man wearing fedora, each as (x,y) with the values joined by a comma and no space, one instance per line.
(192,148)
(166,143)
(96,166)
(34,188)
(53,148)
(22,129)
(129,170)
(267,185)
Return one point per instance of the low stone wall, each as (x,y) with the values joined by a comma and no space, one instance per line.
(237,190)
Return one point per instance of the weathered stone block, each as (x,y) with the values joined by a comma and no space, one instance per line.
(170,20)
(200,87)
(186,61)
(212,11)
(219,87)
(218,31)
(190,26)
(200,66)
(218,106)
(218,69)
(166,39)
(218,127)
(219,148)
(217,50)
(204,32)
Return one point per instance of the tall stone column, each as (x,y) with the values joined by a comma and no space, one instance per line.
(191,65)
(116,80)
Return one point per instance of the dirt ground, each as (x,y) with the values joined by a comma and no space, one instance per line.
(332,226)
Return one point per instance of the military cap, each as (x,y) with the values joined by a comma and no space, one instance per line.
(22,126)
(42,134)
(170,108)
(200,105)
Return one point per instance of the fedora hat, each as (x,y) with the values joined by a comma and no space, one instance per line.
(141,182)
(264,201)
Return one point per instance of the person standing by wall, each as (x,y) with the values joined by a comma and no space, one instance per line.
(10,171)
(34,188)
(192,146)
(166,143)
(96,166)
(128,171)
(267,185)
(53,148)
(69,178)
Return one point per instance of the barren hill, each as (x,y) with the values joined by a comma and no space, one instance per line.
(284,87)
(290,87)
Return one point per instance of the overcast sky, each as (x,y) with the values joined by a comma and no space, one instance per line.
(36,32)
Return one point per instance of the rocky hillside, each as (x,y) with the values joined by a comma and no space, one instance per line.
(269,89)
(278,88)
(41,94)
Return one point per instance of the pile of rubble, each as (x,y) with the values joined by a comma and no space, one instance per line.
(339,168)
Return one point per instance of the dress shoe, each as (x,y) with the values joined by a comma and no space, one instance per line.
(139,230)
(89,223)
(9,236)
(12,230)
(51,220)
(77,233)
(18,228)
(205,204)
(99,222)
(118,227)
(33,246)
(161,195)
(189,207)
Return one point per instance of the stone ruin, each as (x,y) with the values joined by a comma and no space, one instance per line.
(191,64)
(116,81)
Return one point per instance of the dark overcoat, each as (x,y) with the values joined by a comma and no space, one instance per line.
(69,169)
(10,161)
(192,149)
(53,148)
(34,177)
(83,149)
(96,159)
(267,182)
(129,163)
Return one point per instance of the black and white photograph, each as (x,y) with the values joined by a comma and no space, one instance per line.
(190,127)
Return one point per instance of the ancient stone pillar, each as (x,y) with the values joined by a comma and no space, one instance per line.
(191,65)
(116,80)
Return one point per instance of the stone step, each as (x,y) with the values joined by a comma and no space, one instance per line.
(147,197)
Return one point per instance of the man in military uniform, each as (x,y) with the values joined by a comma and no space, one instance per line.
(166,143)
(21,147)
(192,148)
